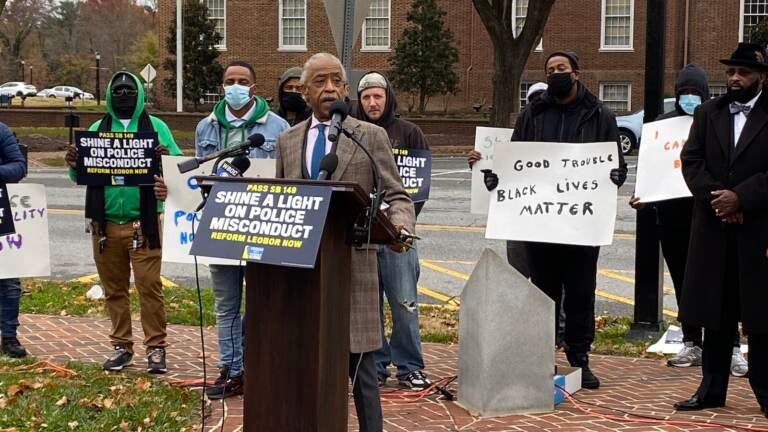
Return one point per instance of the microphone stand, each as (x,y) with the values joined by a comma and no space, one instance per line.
(362,229)
(233,153)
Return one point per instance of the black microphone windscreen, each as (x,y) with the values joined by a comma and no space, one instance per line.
(341,108)
(256,140)
(329,163)
(242,163)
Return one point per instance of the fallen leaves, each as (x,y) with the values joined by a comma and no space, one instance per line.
(61,402)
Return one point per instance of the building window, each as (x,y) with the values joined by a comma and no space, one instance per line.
(717,90)
(752,13)
(617,24)
(293,24)
(616,96)
(376,26)
(217,12)
(524,86)
(519,12)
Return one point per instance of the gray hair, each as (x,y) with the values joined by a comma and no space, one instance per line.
(317,57)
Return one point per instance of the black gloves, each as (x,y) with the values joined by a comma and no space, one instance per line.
(619,176)
(490,179)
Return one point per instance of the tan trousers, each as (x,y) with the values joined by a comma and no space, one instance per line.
(114,262)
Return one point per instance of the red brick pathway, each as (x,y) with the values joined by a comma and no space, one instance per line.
(639,386)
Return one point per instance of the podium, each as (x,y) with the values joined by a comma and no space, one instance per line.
(297,323)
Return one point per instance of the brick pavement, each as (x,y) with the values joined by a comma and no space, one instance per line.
(640,386)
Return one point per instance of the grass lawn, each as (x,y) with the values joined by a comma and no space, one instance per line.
(39,396)
(43,102)
(437,323)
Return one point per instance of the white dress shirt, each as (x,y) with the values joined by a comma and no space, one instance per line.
(312,137)
(739,120)
(237,121)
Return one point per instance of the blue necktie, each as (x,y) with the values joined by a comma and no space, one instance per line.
(318,151)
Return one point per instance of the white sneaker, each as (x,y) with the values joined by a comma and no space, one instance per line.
(739,366)
(689,355)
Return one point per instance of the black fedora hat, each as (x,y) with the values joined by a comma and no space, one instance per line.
(748,55)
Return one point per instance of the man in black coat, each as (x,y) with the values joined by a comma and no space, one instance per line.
(725,164)
(568,113)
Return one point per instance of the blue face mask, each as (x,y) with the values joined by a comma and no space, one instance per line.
(237,95)
(689,103)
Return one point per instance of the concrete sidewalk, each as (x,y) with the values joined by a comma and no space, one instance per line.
(639,386)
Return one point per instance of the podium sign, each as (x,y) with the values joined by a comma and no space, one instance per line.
(268,223)
(116,158)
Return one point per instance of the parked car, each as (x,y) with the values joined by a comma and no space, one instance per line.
(18,88)
(65,91)
(631,127)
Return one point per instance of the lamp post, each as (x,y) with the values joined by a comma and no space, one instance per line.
(31,75)
(98,78)
(22,70)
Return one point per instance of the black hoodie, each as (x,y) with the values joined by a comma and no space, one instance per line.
(281,111)
(402,133)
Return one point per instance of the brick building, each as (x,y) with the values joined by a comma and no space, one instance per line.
(608,35)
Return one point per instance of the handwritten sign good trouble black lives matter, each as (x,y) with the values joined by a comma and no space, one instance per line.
(554,193)
(116,158)
(415,167)
(6,216)
(265,223)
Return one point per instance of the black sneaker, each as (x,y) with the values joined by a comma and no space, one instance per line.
(415,380)
(12,348)
(225,385)
(119,360)
(156,361)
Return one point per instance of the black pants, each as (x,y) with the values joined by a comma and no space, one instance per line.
(570,271)
(718,344)
(517,257)
(366,392)
(674,247)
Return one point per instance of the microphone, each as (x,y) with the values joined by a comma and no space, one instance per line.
(236,168)
(254,141)
(328,165)
(339,111)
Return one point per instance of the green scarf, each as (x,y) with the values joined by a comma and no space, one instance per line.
(220,111)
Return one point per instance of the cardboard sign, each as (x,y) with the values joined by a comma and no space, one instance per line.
(659,173)
(116,158)
(183,198)
(26,253)
(485,141)
(6,216)
(554,193)
(265,223)
(415,167)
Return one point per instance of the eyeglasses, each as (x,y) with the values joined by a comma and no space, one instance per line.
(124,91)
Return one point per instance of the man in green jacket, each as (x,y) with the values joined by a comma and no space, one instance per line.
(126,231)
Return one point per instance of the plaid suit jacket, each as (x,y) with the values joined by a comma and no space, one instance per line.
(354,166)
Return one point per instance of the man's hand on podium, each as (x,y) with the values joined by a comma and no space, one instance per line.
(405,241)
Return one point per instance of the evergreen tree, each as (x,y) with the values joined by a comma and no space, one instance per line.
(202,73)
(425,54)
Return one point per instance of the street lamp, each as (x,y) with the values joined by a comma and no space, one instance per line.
(22,70)
(31,76)
(98,78)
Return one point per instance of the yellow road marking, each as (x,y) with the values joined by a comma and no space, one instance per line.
(449,302)
(65,212)
(614,274)
(449,272)
(481,229)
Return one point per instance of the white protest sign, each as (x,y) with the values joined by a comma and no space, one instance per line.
(486,139)
(659,173)
(26,253)
(554,193)
(184,197)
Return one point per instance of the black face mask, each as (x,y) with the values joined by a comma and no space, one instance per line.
(744,94)
(559,84)
(293,102)
(123,106)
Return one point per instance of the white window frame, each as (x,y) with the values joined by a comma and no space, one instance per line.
(716,84)
(630,47)
(540,46)
(222,45)
(629,92)
(523,94)
(741,20)
(378,48)
(290,48)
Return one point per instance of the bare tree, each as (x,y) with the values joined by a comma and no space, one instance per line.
(19,19)
(510,53)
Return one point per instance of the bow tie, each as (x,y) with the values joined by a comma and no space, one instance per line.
(736,108)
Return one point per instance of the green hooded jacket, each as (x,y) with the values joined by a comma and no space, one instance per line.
(121,203)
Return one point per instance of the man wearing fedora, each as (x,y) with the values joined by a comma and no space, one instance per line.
(725,164)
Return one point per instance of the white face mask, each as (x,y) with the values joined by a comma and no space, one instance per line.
(237,95)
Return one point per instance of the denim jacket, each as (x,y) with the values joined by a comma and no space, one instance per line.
(208,135)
